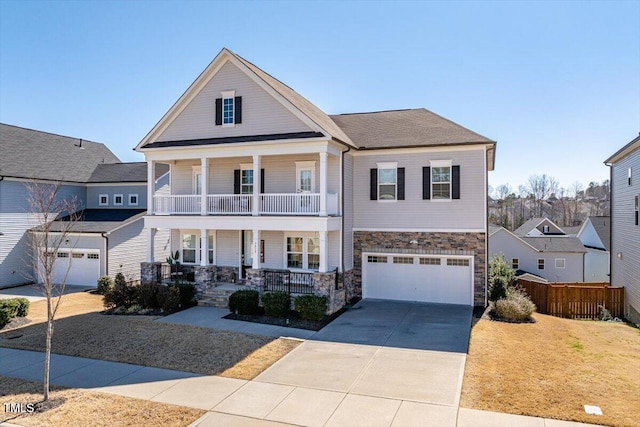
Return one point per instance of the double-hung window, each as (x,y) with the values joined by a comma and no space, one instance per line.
(246,178)
(441,180)
(540,263)
(118,200)
(387,181)
(303,252)
(228,108)
(191,245)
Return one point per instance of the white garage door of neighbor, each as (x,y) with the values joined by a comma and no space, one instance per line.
(410,277)
(84,268)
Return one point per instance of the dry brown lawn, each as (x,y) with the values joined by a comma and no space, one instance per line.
(75,407)
(80,330)
(553,367)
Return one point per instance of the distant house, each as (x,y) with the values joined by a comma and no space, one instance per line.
(625,225)
(540,247)
(111,196)
(595,235)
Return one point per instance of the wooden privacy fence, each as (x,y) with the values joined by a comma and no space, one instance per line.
(575,300)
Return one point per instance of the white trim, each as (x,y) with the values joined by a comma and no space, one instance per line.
(116,184)
(517,237)
(100,196)
(441,164)
(415,150)
(538,264)
(229,94)
(115,197)
(423,230)
(195,171)
(247,167)
(305,250)
(122,225)
(137,199)
(275,223)
(564,263)
(306,165)
(387,165)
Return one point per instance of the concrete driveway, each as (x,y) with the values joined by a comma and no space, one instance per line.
(34,292)
(399,324)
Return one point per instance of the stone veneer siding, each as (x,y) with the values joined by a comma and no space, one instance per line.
(428,242)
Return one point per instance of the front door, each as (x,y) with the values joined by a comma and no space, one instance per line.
(246,240)
(306,181)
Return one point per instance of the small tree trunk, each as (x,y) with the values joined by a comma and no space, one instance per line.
(47,355)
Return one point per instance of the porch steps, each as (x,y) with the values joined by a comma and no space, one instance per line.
(218,296)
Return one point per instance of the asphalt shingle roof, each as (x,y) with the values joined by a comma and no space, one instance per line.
(602,226)
(100,220)
(125,172)
(405,128)
(556,244)
(33,154)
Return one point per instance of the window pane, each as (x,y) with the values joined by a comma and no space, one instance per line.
(314,261)
(294,260)
(313,245)
(441,191)
(387,192)
(227,110)
(305,180)
(189,241)
(189,255)
(441,174)
(386,176)
(294,244)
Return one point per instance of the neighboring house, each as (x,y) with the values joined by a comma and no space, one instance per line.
(110,194)
(393,201)
(540,247)
(625,225)
(595,235)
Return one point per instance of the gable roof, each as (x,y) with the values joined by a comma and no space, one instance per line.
(602,227)
(536,223)
(33,154)
(290,98)
(124,172)
(624,151)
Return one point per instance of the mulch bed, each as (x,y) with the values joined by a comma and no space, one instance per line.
(292,321)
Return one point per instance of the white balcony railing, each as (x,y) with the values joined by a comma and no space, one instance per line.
(229,204)
(242,204)
(176,204)
(286,204)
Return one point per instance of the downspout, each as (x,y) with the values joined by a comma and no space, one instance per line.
(106,253)
(611,240)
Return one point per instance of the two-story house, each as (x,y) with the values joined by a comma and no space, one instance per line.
(540,247)
(625,225)
(394,202)
(111,196)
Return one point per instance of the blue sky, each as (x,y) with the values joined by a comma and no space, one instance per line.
(557,84)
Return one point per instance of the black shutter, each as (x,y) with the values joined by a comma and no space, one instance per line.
(238,110)
(400,183)
(455,182)
(373,191)
(218,111)
(426,183)
(262,181)
(236,181)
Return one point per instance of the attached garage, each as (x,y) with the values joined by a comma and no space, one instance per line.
(82,267)
(446,279)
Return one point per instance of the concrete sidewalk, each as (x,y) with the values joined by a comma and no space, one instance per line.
(260,402)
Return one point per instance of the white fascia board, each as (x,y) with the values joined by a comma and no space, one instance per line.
(124,224)
(264,148)
(274,223)
(420,150)
(116,184)
(520,239)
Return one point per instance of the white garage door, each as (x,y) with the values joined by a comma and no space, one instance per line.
(410,277)
(84,268)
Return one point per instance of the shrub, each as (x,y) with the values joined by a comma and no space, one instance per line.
(169,298)
(122,295)
(4,318)
(148,295)
(244,302)
(187,293)
(10,306)
(311,307)
(501,278)
(23,307)
(120,280)
(515,306)
(276,304)
(105,284)
(134,309)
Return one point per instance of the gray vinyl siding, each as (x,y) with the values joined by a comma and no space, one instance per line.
(162,185)
(596,266)
(15,247)
(414,212)
(502,242)
(228,248)
(128,248)
(273,249)
(93,194)
(261,113)
(333,241)
(348,212)
(625,235)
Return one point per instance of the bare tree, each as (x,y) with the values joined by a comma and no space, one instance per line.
(47,238)
(539,188)
(578,193)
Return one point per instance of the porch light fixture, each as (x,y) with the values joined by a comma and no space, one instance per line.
(619,255)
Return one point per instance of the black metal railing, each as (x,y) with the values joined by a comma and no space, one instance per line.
(288,281)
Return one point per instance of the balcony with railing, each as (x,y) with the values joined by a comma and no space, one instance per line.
(242,204)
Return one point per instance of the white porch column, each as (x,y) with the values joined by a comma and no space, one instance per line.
(151,175)
(151,235)
(256,186)
(255,250)
(205,186)
(324,252)
(323,184)
(204,247)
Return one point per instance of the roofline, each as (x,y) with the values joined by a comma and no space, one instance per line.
(455,144)
(47,180)
(54,134)
(624,151)
(517,237)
